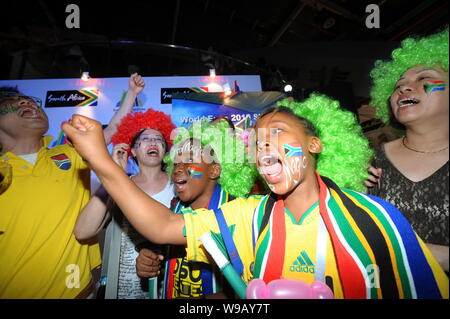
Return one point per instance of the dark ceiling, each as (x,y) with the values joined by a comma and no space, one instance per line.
(175,37)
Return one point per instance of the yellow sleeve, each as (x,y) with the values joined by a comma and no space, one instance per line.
(197,223)
(238,215)
(438,272)
(78,161)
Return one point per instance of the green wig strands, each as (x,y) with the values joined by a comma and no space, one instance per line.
(237,175)
(346,153)
(428,52)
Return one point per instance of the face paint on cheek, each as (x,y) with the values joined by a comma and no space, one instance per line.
(432,86)
(195,172)
(8,108)
(294,162)
(293,149)
(292,169)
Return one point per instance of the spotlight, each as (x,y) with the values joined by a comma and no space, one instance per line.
(85,76)
(287,88)
(212,73)
(214,87)
(226,89)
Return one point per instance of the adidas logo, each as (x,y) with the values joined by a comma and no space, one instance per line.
(303,264)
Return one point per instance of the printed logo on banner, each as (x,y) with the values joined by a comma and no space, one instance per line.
(72,98)
(166,93)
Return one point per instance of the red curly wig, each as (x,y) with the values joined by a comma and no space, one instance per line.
(133,124)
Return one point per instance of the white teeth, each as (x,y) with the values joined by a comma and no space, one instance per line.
(407,102)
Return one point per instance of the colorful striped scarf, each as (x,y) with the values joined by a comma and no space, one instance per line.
(364,231)
(209,282)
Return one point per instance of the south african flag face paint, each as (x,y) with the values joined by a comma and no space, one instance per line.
(432,86)
(13,102)
(195,172)
(8,108)
(292,149)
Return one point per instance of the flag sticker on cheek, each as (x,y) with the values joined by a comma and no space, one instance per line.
(195,172)
(431,86)
(293,149)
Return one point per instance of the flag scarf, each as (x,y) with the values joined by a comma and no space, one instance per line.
(364,231)
(209,284)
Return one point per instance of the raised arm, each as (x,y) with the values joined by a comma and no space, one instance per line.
(95,214)
(150,218)
(135,86)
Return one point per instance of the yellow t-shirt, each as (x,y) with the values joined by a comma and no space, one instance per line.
(300,244)
(39,255)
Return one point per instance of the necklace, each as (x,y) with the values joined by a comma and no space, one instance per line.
(423,152)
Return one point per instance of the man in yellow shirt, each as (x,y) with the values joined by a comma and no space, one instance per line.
(39,255)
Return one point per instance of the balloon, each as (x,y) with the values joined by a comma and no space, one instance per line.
(256,289)
(321,290)
(287,289)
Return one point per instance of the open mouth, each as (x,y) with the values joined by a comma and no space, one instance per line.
(153,152)
(29,113)
(407,102)
(180,184)
(270,167)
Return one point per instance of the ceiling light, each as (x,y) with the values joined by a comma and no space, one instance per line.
(287,88)
(85,76)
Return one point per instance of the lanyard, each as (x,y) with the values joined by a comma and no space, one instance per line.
(321,251)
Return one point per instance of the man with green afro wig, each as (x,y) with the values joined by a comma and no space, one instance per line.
(346,151)
(217,143)
(307,229)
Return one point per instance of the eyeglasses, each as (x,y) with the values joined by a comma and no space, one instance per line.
(151,139)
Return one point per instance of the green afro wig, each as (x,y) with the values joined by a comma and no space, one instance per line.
(237,176)
(346,153)
(428,52)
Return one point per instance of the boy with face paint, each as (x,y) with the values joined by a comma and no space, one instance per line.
(308,228)
(201,181)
